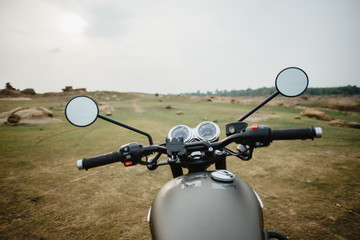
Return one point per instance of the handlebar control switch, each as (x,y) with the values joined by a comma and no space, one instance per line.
(131,154)
(257,135)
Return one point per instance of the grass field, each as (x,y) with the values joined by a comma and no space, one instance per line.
(310,189)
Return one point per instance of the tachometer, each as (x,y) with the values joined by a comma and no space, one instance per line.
(208,131)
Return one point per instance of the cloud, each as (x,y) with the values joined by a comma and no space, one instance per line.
(106,21)
(55,50)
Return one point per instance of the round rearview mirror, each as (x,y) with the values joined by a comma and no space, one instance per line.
(81,111)
(291,82)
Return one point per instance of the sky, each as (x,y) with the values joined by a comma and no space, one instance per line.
(168,46)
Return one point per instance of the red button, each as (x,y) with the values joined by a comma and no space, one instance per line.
(128,163)
(255,126)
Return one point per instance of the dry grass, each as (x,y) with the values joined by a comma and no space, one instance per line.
(310,189)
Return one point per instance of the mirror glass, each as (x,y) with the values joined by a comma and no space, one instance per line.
(81,111)
(292,82)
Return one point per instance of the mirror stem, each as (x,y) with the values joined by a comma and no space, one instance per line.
(128,127)
(258,106)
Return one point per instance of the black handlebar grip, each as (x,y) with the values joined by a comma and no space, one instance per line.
(297,133)
(97,161)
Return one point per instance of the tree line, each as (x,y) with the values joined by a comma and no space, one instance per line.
(346,90)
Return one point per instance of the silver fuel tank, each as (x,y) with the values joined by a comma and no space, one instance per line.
(206,205)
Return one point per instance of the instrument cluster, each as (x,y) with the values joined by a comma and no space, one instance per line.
(205,131)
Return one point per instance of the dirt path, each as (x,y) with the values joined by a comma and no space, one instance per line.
(136,107)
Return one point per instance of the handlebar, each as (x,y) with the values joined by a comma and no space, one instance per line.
(254,136)
(298,133)
(97,161)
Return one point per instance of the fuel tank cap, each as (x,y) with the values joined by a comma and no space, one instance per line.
(222,176)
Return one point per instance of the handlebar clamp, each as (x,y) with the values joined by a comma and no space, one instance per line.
(175,148)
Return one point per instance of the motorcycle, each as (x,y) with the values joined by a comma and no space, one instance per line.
(201,204)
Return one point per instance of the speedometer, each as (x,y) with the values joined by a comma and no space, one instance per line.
(180,131)
(208,131)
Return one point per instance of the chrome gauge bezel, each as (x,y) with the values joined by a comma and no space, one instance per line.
(181,126)
(194,133)
(214,137)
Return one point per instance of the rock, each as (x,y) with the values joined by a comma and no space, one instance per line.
(342,123)
(11,93)
(13,118)
(105,108)
(9,87)
(313,113)
(26,116)
(5,115)
(354,124)
(344,104)
(68,89)
(338,123)
(179,113)
(28,91)
(80,90)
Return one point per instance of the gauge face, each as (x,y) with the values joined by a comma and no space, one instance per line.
(208,131)
(180,131)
